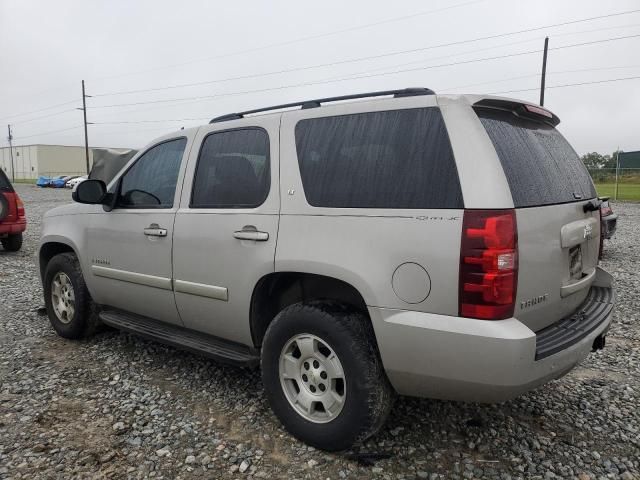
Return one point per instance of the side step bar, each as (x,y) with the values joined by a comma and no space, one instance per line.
(216,348)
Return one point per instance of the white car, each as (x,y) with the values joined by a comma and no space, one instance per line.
(74,182)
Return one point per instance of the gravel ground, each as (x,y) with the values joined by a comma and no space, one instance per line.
(116,406)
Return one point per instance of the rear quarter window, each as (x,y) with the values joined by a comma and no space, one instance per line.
(389,159)
(540,165)
(5,184)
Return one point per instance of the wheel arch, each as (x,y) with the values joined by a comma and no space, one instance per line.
(277,290)
(51,247)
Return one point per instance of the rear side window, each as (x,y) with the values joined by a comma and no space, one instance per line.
(5,185)
(233,170)
(390,159)
(540,165)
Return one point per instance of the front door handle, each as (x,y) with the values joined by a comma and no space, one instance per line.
(154,230)
(249,232)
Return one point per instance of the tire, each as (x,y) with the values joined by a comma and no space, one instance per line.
(366,394)
(12,243)
(81,320)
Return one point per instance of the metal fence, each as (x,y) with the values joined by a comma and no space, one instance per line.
(618,184)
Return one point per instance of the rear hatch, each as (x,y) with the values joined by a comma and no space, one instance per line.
(557,218)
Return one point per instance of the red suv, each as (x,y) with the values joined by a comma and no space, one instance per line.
(12,217)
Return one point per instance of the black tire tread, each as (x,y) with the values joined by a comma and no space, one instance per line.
(12,243)
(356,326)
(87,311)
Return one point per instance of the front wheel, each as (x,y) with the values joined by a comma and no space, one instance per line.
(12,243)
(69,306)
(323,375)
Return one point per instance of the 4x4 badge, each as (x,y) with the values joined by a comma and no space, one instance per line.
(588,232)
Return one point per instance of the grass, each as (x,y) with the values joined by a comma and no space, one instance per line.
(626,191)
(26,180)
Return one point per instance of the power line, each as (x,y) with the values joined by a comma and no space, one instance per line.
(41,134)
(40,110)
(428,67)
(444,90)
(502,45)
(152,121)
(110,132)
(531,75)
(319,82)
(297,40)
(43,116)
(569,85)
(244,77)
(370,57)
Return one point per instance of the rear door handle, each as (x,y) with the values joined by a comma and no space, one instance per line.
(154,230)
(249,232)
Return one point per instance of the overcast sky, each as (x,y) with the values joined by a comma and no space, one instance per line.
(48,47)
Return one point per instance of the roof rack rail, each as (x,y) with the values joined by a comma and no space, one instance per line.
(405,92)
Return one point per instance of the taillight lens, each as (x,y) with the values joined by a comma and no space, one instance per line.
(19,206)
(488,264)
(605,209)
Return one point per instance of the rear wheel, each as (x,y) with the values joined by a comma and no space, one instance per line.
(323,376)
(12,243)
(69,306)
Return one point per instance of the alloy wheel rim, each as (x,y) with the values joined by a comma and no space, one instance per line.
(312,378)
(63,297)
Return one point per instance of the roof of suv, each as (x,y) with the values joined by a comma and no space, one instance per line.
(488,101)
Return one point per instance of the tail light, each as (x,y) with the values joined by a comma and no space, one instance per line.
(488,264)
(19,206)
(605,209)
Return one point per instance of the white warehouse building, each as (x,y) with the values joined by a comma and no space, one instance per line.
(32,161)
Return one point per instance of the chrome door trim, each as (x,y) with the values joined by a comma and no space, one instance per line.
(154,230)
(201,290)
(251,235)
(132,277)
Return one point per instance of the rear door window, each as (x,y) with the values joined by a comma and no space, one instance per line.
(233,170)
(389,159)
(540,165)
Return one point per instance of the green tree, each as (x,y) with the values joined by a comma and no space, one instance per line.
(594,161)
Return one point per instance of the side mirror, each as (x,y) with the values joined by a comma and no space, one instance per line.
(90,191)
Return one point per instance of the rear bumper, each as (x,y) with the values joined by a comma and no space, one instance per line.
(609,224)
(12,228)
(455,358)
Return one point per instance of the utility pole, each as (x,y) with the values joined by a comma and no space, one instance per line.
(86,137)
(544,70)
(10,138)
(615,196)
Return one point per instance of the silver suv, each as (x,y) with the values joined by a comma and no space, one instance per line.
(403,242)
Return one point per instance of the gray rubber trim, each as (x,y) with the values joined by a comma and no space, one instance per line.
(570,330)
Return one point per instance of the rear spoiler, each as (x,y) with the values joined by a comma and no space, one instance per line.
(526,110)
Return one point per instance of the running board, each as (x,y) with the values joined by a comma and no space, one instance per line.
(216,348)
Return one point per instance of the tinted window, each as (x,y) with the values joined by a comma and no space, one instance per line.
(392,159)
(151,181)
(5,185)
(233,170)
(540,165)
